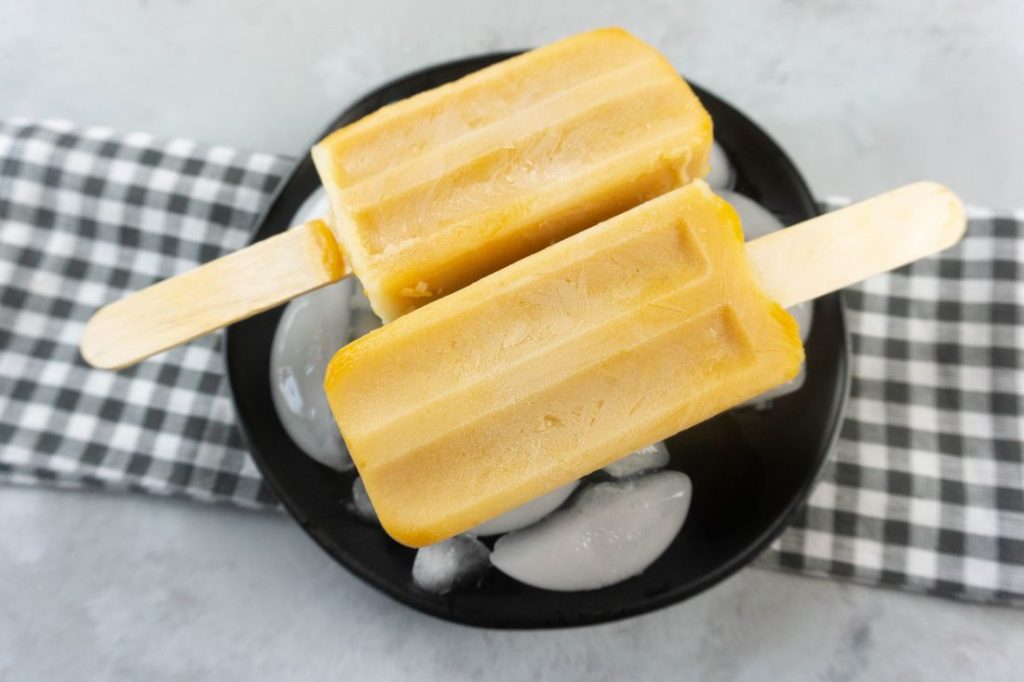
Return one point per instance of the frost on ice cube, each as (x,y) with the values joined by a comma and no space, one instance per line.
(457,562)
(315,206)
(722,175)
(364,320)
(311,329)
(526,514)
(652,457)
(611,532)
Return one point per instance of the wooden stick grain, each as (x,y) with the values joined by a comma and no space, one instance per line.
(214,295)
(843,247)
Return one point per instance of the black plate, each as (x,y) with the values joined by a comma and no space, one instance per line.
(750,469)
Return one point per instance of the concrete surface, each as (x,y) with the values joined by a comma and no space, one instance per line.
(864,95)
(115,587)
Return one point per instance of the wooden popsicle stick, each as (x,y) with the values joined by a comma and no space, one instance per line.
(214,295)
(843,247)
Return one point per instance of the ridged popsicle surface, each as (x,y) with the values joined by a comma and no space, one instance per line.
(560,363)
(431,193)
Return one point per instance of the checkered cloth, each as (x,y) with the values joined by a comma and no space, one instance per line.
(925,491)
(87,215)
(926,488)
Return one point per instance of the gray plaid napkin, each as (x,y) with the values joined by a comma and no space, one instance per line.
(926,488)
(87,215)
(925,491)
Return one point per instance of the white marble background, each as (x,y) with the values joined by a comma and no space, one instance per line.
(864,95)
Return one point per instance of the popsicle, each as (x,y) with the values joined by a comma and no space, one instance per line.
(619,336)
(431,193)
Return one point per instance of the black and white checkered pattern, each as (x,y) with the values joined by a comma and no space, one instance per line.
(925,491)
(87,215)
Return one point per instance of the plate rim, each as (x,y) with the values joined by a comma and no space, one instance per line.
(627,610)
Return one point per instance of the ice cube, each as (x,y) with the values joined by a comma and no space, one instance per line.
(361,504)
(457,562)
(803,313)
(645,459)
(526,514)
(722,175)
(764,401)
(311,329)
(611,532)
(364,320)
(757,220)
(315,206)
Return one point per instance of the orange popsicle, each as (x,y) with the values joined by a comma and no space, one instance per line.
(431,193)
(436,191)
(616,337)
(559,364)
